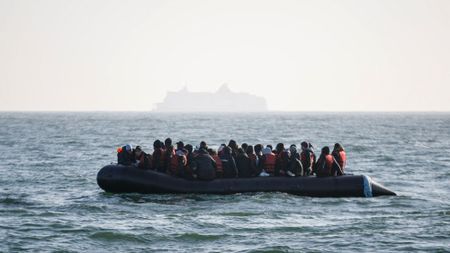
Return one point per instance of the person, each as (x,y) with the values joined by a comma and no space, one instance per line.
(220,150)
(295,167)
(204,166)
(282,162)
(340,155)
(169,154)
(244,146)
(167,142)
(253,160)
(243,164)
(281,159)
(189,174)
(268,161)
(125,155)
(228,163)
(279,149)
(144,160)
(203,145)
(219,165)
(180,146)
(234,147)
(294,152)
(326,164)
(158,156)
(178,164)
(258,152)
(307,158)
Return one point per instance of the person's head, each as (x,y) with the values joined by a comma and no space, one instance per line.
(249,150)
(338,147)
(267,151)
(258,148)
(180,145)
(244,146)
(202,151)
(129,148)
(157,144)
(203,145)
(304,145)
(138,151)
(269,146)
(212,152)
(326,150)
(293,149)
(232,144)
(280,147)
(168,142)
(240,151)
(189,148)
(170,148)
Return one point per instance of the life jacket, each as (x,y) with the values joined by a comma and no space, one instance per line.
(329,161)
(219,164)
(325,166)
(269,163)
(307,158)
(342,159)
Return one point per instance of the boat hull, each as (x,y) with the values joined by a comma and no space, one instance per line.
(127,179)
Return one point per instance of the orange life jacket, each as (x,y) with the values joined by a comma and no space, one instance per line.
(342,159)
(269,163)
(329,162)
(304,158)
(218,163)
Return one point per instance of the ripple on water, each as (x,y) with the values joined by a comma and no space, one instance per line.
(117,237)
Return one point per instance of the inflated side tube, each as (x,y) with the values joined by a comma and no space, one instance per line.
(127,179)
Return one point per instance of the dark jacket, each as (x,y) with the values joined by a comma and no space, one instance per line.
(244,166)
(295,166)
(125,158)
(145,161)
(158,163)
(204,166)
(229,166)
(321,169)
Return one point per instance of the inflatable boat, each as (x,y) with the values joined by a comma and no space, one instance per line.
(128,179)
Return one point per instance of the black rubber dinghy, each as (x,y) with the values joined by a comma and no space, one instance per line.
(128,179)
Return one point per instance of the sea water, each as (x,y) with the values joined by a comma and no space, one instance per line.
(50,201)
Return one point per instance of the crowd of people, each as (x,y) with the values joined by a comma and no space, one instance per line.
(232,160)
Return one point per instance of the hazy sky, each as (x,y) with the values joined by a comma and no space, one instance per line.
(299,55)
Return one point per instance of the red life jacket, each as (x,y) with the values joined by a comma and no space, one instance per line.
(269,163)
(219,164)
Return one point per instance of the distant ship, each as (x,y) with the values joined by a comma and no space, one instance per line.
(223,100)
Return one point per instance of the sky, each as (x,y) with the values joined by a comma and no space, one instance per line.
(313,55)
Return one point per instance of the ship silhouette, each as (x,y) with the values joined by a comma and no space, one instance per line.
(223,100)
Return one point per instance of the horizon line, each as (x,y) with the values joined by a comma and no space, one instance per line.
(227,112)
